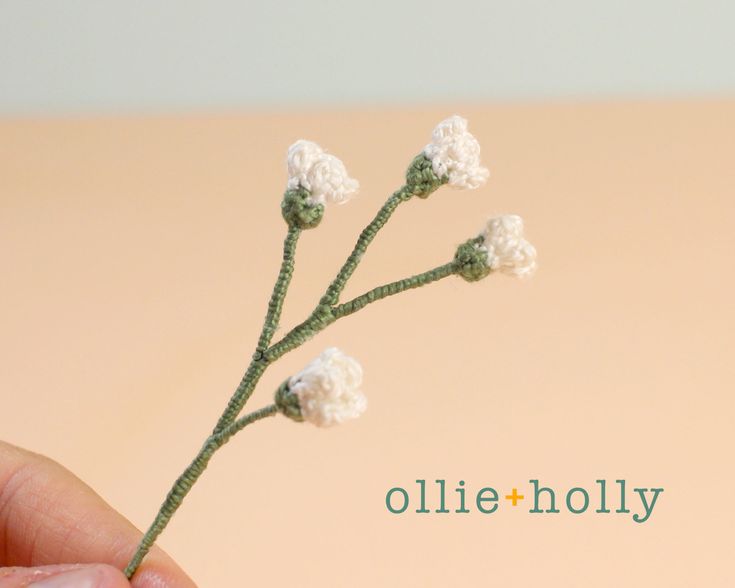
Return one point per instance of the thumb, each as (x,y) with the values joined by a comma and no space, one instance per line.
(63,576)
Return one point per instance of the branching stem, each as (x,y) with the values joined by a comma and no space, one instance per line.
(326,312)
(186,480)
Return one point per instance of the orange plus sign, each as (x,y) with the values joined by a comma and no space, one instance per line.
(515,497)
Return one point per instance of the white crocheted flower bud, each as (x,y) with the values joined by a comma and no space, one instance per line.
(323,175)
(507,250)
(455,154)
(328,389)
(301,156)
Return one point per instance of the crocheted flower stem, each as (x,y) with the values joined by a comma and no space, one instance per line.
(275,305)
(322,315)
(331,296)
(187,479)
(242,393)
(397,287)
(325,313)
(327,391)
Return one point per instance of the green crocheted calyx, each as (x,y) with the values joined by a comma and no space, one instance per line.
(420,177)
(471,260)
(288,403)
(299,211)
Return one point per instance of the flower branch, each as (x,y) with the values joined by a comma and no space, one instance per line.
(275,306)
(380,292)
(328,390)
(367,235)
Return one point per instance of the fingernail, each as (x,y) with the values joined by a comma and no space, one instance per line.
(87,577)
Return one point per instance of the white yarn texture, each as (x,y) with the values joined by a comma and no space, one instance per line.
(328,389)
(323,175)
(455,153)
(507,250)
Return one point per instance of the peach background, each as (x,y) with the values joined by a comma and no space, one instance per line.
(137,255)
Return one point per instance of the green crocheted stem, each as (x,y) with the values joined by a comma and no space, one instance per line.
(325,315)
(421,181)
(322,315)
(393,288)
(242,393)
(183,484)
(331,296)
(275,305)
(321,318)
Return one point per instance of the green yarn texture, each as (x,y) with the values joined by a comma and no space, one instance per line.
(186,480)
(420,177)
(288,403)
(275,305)
(471,260)
(298,211)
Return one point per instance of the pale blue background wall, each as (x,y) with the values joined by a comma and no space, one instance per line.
(132,56)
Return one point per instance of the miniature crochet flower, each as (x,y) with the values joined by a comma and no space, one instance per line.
(507,250)
(328,390)
(323,175)
(500,247)
(455,154)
